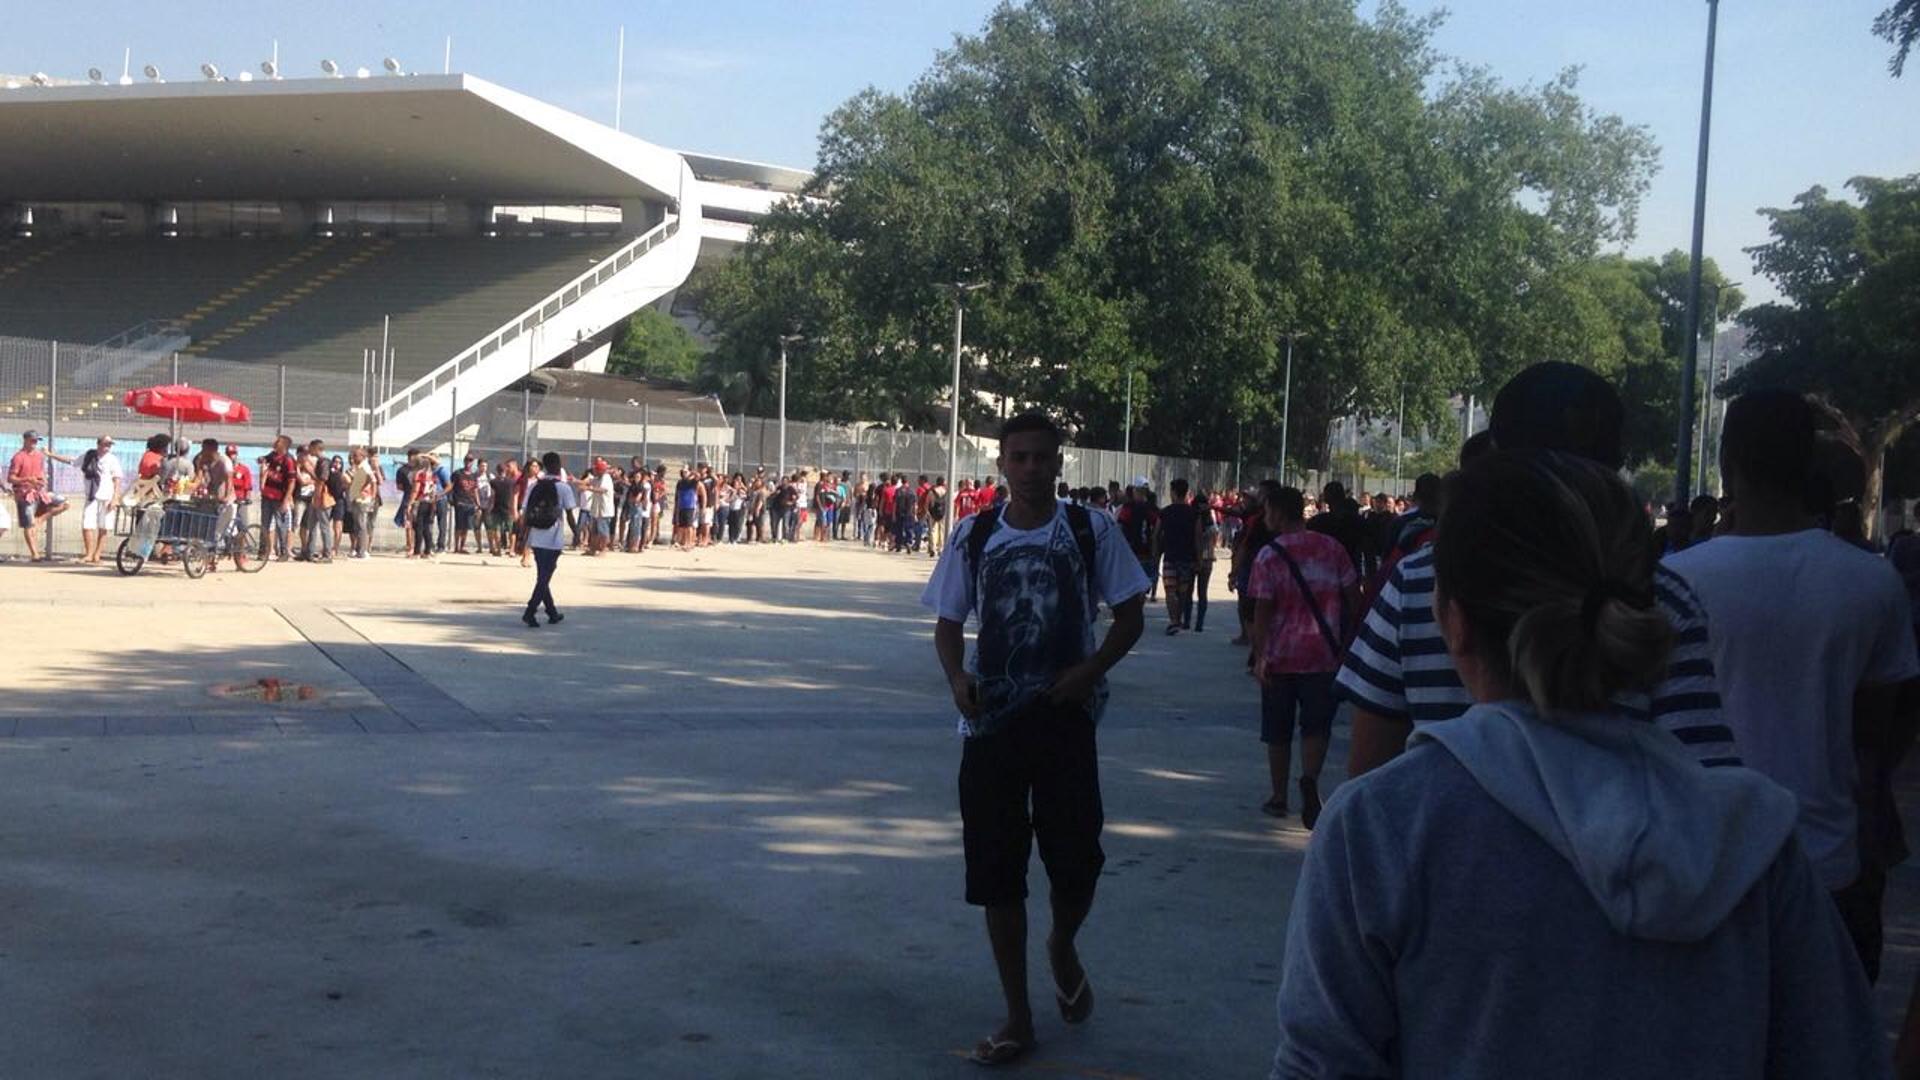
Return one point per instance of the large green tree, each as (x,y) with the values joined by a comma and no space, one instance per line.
(1170,189)
(1847,329)
(653,346)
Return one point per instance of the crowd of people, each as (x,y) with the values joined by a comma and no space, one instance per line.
(1601,814)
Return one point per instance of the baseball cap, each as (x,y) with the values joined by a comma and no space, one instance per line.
(1140,481)
(105,440)
(232,449)
(29,434)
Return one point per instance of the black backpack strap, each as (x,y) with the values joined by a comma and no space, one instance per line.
(1081,522)
(983,525)
(1306,594)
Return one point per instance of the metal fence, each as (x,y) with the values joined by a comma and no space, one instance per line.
(72,394)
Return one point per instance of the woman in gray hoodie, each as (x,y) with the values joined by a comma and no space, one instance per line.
(1544,886)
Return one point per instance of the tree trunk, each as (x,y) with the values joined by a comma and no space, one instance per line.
(1876,463)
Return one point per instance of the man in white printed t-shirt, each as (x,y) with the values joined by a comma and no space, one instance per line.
(545,513)
(1812,640)
(1029,697)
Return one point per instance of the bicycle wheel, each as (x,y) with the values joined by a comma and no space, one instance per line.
(193,558)
(128,560)
(246,551)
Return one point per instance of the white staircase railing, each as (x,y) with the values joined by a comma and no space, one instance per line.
(400,419)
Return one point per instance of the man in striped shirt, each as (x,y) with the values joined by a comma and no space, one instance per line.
(1397,673)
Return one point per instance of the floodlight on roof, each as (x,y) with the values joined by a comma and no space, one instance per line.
(152,73)
(40,78)
(392,65)
(212,73)
(329,68)
(95,77)
(270,69)
(361,73)
(126,80)
(13,84)
(246,76)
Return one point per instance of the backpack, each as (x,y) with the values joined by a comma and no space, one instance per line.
(543,505)
(1078,520)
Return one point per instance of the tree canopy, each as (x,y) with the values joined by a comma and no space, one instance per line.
(1172,188)
(653,346)
(1900,25)
(1847,329)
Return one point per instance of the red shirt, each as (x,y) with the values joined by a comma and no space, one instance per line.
(150,463)
(1295,642)
(242,481)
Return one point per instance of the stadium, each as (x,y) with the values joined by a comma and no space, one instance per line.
(374,259)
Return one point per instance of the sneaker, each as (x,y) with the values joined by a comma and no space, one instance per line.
(1172,629)
(554,617)
(1274,807)
(530,621)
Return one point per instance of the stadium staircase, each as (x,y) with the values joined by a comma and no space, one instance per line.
(584,309)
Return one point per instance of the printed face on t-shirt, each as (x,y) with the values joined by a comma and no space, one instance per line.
(1025,599)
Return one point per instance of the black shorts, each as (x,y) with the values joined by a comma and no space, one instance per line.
(1307,696)
(684,519)
(1045,756)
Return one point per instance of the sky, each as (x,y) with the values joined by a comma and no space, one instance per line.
(1801,96)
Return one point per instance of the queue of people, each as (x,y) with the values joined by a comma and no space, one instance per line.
(1601,817)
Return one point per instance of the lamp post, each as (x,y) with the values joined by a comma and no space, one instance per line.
(1683,446)
(1126,436)
(1286,409)
(1713,376)
(960,291)
(785,340)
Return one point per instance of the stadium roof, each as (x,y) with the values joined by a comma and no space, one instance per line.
(394,137)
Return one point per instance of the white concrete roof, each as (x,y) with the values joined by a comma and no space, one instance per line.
(410,137)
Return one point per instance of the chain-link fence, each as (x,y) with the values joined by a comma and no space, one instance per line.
(72,394)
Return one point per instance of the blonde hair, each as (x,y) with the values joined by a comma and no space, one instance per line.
(1550,561)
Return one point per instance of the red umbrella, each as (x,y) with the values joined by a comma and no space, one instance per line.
(189,403)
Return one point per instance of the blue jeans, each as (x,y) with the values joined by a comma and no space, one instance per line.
(277,526)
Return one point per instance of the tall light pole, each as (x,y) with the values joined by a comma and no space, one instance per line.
(1126,437)
(1706,419)
(1400,441)
(1286,409)
(785,340)
(1683,446)
(960,291)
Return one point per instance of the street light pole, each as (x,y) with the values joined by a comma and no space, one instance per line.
(960,291)
(1126,437)
(1683,446)
(1706,405)
(785,340)
(1286,409)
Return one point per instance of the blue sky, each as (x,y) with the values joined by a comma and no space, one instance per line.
(1802,95)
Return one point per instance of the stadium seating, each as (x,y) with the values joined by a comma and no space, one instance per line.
(311,303)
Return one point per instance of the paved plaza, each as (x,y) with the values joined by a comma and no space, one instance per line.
(356,821)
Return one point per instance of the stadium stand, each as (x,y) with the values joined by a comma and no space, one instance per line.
(313,304)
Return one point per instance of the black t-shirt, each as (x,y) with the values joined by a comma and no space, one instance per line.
(1136,524)
(1177,524)
(1343,524)
(502,493)
(463,488)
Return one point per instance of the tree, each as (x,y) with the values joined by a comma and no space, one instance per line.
(653,346)
(1848,331)
(1170,188)
(1900,25)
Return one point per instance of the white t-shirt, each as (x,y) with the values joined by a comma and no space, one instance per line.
(554,536)
(110,478)
(603,495)
(1797,623)
(1036,619)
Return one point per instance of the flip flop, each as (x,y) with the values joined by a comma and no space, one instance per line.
(995,1052)
(1076,1009)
